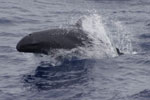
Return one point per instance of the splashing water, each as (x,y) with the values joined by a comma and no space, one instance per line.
(124,40)
(120,36)
(103,43)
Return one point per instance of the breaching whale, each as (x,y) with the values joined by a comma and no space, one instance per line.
(44,41)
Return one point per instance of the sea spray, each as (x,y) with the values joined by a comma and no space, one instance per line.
(119,35)
(124,38)
(103,42)
(95,29)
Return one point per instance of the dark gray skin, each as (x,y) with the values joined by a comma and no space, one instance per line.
(42,42)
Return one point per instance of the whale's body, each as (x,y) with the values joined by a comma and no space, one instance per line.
(43,41)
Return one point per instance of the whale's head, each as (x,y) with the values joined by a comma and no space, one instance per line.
(32,44)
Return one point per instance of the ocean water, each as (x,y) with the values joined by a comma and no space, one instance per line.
(97,73)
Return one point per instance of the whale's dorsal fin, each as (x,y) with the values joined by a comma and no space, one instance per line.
(118,51)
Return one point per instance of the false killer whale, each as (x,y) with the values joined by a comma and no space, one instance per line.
(43,41)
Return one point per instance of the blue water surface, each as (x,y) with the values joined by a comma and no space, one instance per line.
(24,77)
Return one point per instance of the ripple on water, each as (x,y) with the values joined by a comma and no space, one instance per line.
(145,36)
(6,49)
(5,21)
(47,77)
(145,46)
(143,95)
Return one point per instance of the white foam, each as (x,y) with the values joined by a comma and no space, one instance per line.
(95,29)
(120,36)
(103,44)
